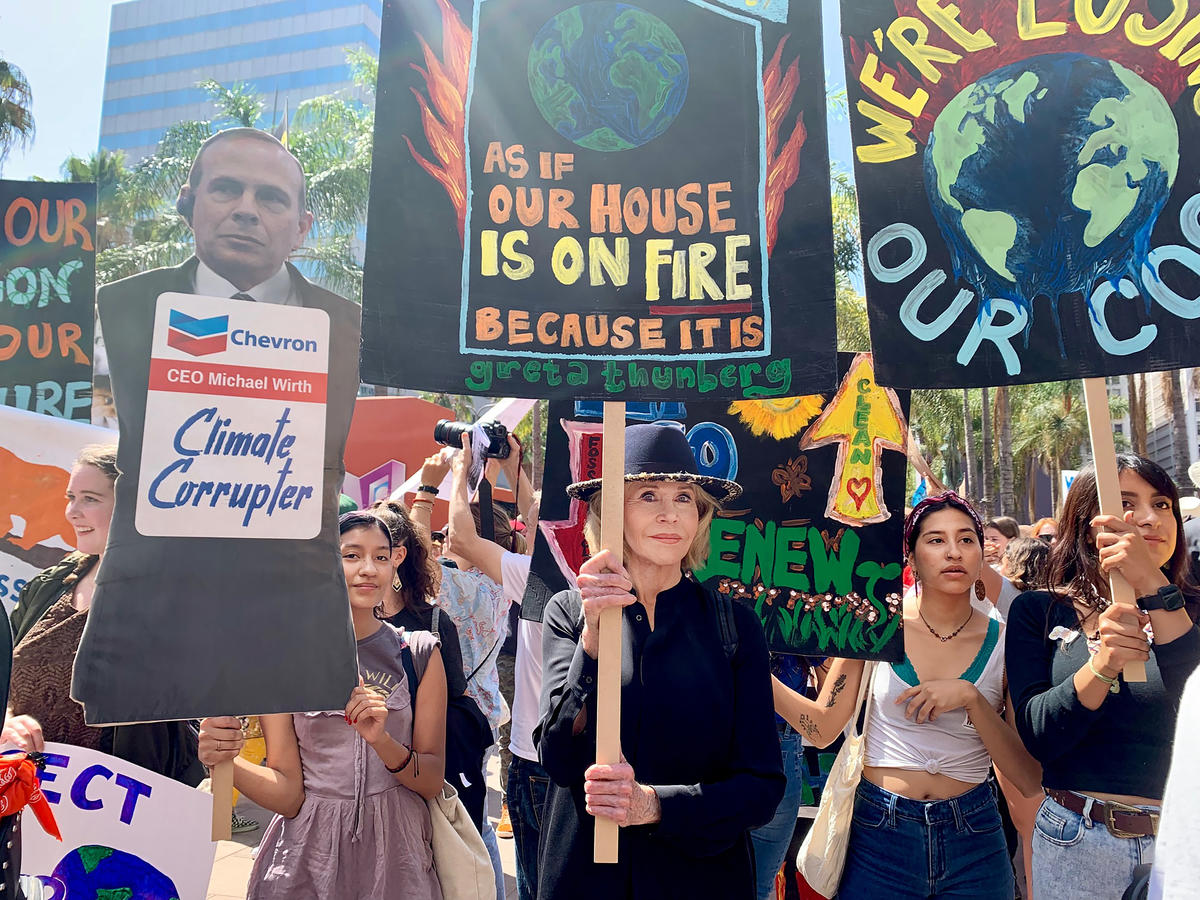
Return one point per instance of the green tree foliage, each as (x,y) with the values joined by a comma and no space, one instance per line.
(17,127)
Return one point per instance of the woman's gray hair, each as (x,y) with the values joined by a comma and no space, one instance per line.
(697,554)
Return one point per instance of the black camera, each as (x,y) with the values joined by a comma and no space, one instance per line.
(449,434)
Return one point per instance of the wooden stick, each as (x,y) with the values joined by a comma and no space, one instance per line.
(608,690)
(222,791)
(1108,486)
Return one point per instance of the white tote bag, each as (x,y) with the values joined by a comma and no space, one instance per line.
(459,854)
(823,853)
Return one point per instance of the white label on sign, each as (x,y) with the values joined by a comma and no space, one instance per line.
(234,442)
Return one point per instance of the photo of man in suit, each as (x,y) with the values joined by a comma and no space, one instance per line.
(197,626)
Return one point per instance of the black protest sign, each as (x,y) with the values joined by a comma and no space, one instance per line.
(47,297)
(813,545)
(1027,178)
(600,200)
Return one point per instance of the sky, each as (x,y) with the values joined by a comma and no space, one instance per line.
(67,77)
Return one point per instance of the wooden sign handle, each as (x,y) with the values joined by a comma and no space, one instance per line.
(608,688)
(222,793)
(1108,486)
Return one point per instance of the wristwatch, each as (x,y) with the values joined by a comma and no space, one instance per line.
(1168,598)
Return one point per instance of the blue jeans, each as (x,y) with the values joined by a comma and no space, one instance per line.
(902,848)
(527,784)
(1074,857)
(772,840)
(493,849)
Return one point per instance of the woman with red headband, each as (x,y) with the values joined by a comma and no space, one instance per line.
(925,820)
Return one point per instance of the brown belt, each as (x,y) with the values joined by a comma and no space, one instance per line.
(1121,821)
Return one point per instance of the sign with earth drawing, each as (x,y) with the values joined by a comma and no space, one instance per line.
(1028,177)
(813,545)
(127,832)
(600,199)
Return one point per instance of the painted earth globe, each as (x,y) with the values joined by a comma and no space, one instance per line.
(1049,174)
(608,76)
(102,873)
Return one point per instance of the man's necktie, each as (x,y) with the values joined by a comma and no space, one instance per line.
(242,295)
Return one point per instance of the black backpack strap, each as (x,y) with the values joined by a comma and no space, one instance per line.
(726,626)
(410,672)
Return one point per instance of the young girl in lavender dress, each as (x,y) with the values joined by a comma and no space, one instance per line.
(349,787)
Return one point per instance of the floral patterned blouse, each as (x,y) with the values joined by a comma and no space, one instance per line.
(479,609)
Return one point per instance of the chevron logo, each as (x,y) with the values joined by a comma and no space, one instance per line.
(197,337)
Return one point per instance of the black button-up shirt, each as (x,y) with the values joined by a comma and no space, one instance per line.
(696,725)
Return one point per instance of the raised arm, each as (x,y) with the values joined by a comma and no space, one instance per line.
(278,784)
(422,766)
(464,540)
(823,719)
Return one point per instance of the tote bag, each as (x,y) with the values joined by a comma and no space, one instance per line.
(459,854)
(823,853)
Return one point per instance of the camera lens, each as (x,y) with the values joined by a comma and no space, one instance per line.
(449,433)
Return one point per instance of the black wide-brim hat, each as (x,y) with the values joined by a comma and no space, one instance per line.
(659,452)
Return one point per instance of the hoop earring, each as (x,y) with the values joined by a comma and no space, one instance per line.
(397,584)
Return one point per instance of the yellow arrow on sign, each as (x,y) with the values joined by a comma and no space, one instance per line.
(863,419)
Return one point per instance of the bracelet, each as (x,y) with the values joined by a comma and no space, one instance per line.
(404,765)
(1114,684)
(417,500)
(427,489)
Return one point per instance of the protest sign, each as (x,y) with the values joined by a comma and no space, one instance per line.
(813,545)
(47,296)
(235,402)
(127,831)
(36,453)
(600,200)
(1027,185)
(222,576)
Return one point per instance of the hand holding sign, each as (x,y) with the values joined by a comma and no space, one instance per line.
(367,712)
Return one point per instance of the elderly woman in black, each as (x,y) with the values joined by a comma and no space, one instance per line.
(701,755)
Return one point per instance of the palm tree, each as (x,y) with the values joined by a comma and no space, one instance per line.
(16,115)
(1007,500)
(986,498)
(1173,395)
(106,169)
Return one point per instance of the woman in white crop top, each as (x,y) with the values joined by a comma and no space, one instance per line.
(925,818)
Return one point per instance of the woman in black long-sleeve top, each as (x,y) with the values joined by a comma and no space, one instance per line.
(697,721)
(1104,743)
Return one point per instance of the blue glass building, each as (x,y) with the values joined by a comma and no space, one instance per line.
(286,50)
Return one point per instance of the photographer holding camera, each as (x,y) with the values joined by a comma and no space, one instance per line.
(481,578)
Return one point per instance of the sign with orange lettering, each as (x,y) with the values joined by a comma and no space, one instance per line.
(600,199)
(47,297)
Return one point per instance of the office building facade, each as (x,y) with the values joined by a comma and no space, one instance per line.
(285,50)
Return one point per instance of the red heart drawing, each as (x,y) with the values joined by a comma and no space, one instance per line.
(858,489)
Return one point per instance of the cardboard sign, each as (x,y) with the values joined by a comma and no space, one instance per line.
(47,297)
(36,453)
(1027,179)
(813,544)
(235,420)
(600,200)
(221,578)
(127,831)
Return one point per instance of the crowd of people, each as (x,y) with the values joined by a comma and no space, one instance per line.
(1008,724)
